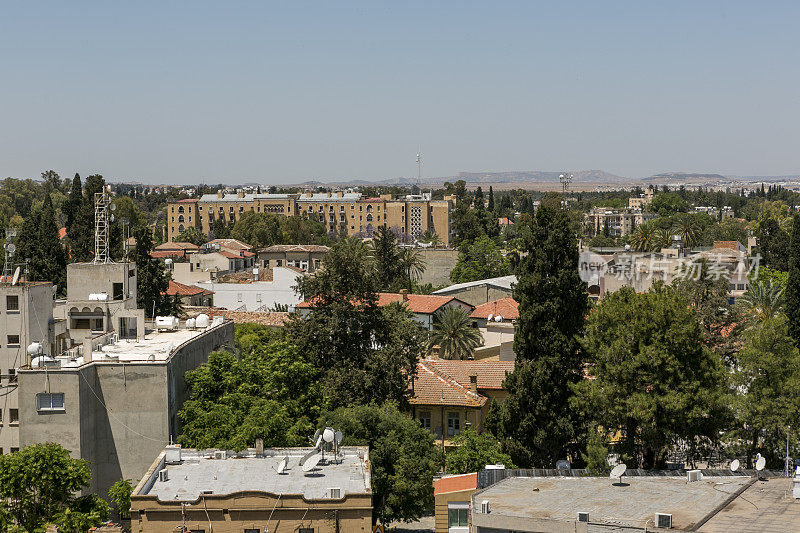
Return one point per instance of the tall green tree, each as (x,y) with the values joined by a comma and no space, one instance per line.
(536,422)
(39,243)
(38,485)
(768,380)
(366,352)
(463,220)
(653,378)
(195,236)
(490,206)
(403,456)
(258,229)
(480,259)
(793,283)
(412,265)
(268,392)
(386,255)
(152,280)
(473,451)
(773,243)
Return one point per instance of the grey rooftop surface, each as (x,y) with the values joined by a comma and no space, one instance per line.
(632,504)
(198,472)
(504,282)
(765,507)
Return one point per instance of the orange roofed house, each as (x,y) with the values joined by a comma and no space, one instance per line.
(449,395)
(423,306)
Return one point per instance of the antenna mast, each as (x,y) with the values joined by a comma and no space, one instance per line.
(102,227)
(419,166)
(565,180)
(9,250)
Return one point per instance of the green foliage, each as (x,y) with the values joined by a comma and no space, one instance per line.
(473,451)
(194,236)
(365,352)
(151,278)
(601,241)
(269,392)
(454,335)
(654,378)
(37,486)
(596,454)
(403,456)
(386,255)
(87,512)
(773,244)
(265,229)
(793,283)
(536,423)
(412,265)
(768,376)
(39,242)
(464,221)
(120,495)
(480,259)
(763,300)
(668,203)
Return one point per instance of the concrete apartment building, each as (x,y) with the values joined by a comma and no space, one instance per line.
(114,401)
(255,292)
(410,215)
(620,222)
(26,316)
(306,257)
(235,492)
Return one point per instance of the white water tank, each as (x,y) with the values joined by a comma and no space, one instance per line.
(201,321)
(98,297)
(166,323)
(34,348)
(41,361)
(190,323)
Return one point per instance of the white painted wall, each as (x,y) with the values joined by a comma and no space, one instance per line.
(257,294)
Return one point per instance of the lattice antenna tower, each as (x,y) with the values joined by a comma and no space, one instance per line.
(102,226)
(566,180)
(9,248)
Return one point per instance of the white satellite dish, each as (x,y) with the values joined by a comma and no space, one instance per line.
(761,463)
(328,435)
(734,465)
(307,456)
(338,437)
(618,471)
(282,466)
(15,279)
(498,318)
(317,433)
(113,207)
(11,248)
(490,317)
(312,462)
(319,442)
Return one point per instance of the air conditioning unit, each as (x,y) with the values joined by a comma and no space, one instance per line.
(335,493)
(583,517)
(694,475)
(485,507)
(163,475)
(663,520)
(220,454)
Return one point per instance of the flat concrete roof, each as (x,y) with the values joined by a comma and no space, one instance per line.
(198,472)
(765,507)
(632,504)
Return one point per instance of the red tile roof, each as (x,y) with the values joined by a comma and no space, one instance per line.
(62,232)
(232,244)
(416,303)
(163,254)
(177,246)
(187,201)
(490,373)
(455,483)
(434,387)
(229,255)
(503,221)
(508,308)
(273,319)
(184,290)
(295,248)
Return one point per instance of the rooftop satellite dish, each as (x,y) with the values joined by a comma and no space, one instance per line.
(307,456)
(113,207)
(490,317)
(338,437)
(317,433)
(11,248)
(761,463)
(562,464)
(734,465)
(498,318)
(312,462)
(328,435)
(282,466)
(319,442)
(15,279)
(618,471)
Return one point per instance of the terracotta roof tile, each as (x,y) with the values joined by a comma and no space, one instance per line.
(508,308)
(187,201)
(416,303)
(455,483)
(295,248)
(232,244)
(177,246)
(490,373)
(184,290)
(433,387)
(265,318)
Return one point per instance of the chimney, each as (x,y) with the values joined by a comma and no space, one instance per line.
(473,383)
(404,292)
(220,194)
(259,447)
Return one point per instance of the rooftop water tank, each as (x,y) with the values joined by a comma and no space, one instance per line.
(201,321)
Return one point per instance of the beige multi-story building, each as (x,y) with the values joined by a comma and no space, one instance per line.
(620,222)
(346,212)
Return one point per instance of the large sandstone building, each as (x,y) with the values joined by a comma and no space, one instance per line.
(340,211)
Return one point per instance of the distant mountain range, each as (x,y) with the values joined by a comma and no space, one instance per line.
(683,176)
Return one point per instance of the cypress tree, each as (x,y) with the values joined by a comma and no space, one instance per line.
(73,204)
(39,243)
(151,278)
(793,283)
(536,421)
(490,207)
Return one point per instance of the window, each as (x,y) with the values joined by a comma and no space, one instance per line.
(425,419)
(740,286)
(180,209)
(14,450)
(118,291)
(13,416)
(50,401)
(13,340)
(306,530)
(316,263)
(12,303)
(279,262)
(12,375)
(457,516)
(241,209)
(252,530)
(453,424)
(238,296)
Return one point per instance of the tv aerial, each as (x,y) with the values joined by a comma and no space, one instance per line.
(617,472)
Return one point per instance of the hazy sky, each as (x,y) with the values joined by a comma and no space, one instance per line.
(281,92)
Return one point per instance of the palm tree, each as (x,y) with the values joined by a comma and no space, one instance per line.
(429,237)
(689,231)
(643,237)
(454,335)
(762,300)
(413,265)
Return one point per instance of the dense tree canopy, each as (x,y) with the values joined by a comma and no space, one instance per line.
(473,451)
(480,259)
